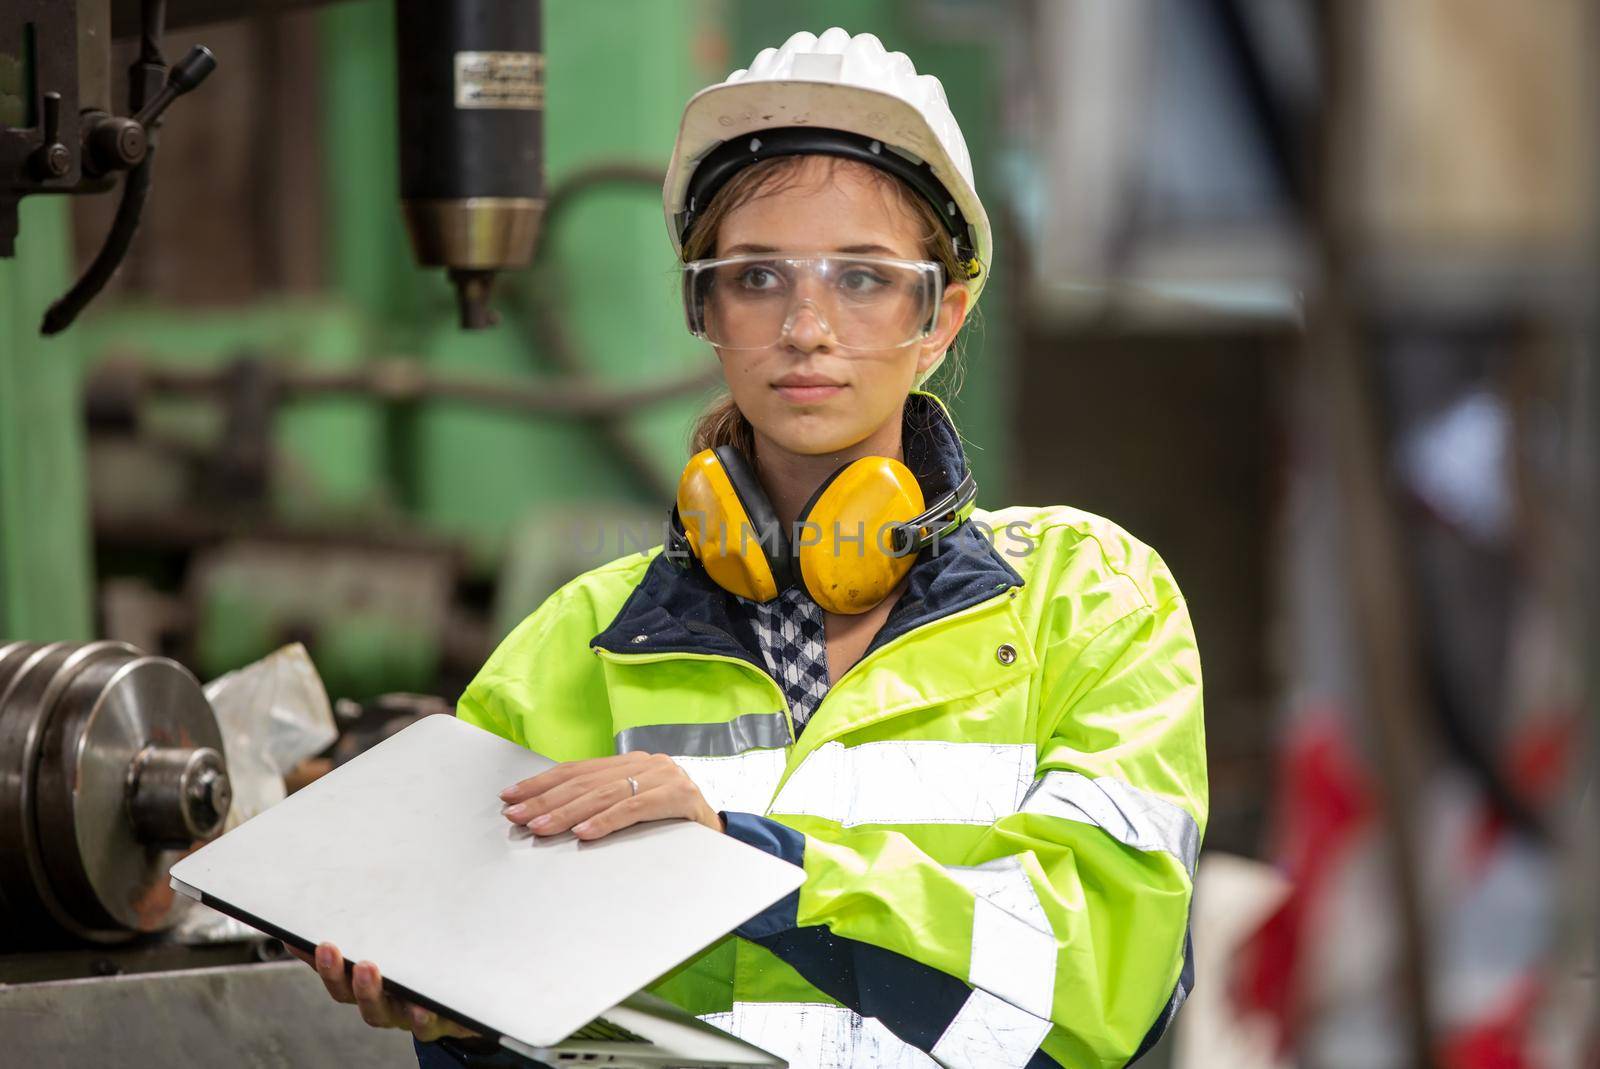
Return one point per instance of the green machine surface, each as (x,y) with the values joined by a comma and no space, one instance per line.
(44,528)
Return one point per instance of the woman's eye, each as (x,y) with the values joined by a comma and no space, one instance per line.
(758,278)
(861,282)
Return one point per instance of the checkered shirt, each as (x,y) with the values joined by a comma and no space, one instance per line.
(790,632)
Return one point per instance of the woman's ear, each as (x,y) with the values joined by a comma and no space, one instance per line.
(952,313)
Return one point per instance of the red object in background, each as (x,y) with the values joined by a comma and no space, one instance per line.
(1539,763)
(1500,1041)
(1323,800)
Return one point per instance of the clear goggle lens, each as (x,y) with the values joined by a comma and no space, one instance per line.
(860,302)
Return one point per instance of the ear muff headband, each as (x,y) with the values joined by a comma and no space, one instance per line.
(766,537)
(915,535)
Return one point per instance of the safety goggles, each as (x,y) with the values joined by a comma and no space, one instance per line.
(861,302)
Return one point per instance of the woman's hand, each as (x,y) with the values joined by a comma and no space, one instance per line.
(594,798)
(364,988)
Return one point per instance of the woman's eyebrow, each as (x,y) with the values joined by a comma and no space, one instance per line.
(881,250)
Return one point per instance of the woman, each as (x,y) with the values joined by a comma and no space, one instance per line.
(985,746)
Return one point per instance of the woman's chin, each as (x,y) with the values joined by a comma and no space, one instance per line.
(812,437)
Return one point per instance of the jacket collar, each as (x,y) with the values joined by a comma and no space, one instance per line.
(677,610)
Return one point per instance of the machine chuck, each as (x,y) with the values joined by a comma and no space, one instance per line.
(111,768)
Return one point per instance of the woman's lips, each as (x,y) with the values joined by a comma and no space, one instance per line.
(803,394)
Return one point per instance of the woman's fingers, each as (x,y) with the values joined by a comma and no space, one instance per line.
(551,797)
(567,771)
(595,797)
(523,789)
(377,1008)
(428,1026)
(678,797)
(554,777)
(647,806)
(574,792)
(364,987)
(329,964)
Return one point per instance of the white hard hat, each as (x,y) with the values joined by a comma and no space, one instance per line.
(836,95)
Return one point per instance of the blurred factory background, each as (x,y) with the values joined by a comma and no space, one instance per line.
(1304,294)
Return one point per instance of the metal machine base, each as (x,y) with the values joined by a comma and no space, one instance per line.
(270,1015)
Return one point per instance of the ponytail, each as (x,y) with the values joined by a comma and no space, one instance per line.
(723,424)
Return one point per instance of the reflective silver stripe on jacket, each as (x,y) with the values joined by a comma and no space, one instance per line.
(990,1033)
(816,1035)
(1013,947)
(1129,815)
(749,732)
(909,782)
(742,783)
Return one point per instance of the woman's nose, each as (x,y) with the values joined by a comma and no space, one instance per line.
(807,329)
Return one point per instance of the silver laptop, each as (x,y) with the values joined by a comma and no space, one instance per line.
(401,857)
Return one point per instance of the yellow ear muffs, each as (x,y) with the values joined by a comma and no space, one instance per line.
(730,525)
(844,544)
(855,540)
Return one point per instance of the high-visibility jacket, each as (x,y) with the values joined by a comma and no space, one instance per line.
(998,808)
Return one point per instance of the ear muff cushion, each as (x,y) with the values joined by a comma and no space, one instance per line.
(846,570)
(712,515)
(767,534)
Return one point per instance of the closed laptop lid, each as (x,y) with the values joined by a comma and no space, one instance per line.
(402,857)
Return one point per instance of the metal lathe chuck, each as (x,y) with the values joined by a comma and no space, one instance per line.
(111,769)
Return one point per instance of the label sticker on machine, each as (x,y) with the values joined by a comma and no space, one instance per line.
(500,80)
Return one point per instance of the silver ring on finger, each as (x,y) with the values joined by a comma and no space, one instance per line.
(633,786)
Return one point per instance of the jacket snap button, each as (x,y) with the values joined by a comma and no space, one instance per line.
(1006,654)
(636,639)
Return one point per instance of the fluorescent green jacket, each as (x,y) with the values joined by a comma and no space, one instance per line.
(998,809)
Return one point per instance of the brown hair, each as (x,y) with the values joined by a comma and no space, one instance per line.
(721,423)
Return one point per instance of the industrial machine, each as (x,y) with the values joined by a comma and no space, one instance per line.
(471,95)
(111,767)
(111,760)
(58,131)
(471,139)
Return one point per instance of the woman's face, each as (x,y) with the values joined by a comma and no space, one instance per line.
(805,394)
